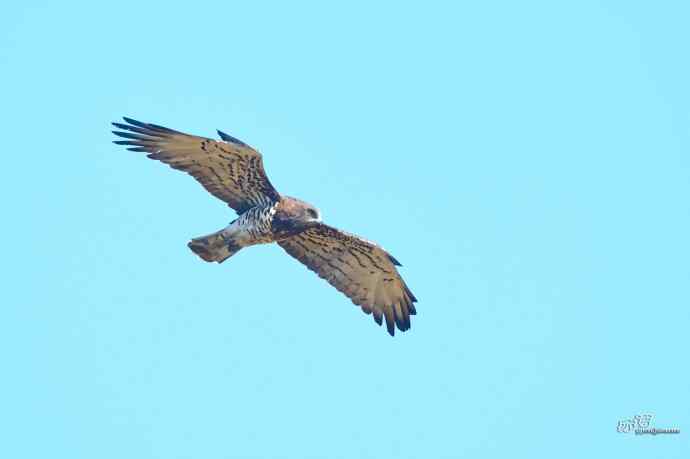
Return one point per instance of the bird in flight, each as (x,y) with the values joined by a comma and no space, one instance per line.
(234,172)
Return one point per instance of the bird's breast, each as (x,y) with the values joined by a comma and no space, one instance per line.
(284,226)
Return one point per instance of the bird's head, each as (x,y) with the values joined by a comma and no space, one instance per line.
(310,214)
(294,216)
(301,211)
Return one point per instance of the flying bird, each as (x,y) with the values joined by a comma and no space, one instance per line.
(234,172)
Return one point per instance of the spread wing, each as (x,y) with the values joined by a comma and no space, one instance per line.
(230,169)
(360,269)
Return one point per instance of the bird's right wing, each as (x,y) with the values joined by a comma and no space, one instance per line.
(360,269)
(230,169)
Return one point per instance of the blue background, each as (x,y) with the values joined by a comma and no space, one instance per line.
(527,162)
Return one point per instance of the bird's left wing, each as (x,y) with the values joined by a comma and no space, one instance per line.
(230,169)
(360,269)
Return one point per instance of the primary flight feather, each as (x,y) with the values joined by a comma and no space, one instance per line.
(234,172)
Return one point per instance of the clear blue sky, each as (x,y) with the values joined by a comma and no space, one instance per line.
(527,162)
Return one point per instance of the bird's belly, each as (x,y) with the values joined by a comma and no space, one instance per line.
(246,234)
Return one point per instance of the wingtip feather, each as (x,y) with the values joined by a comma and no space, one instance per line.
(134,122)
(393,260)
(229,138)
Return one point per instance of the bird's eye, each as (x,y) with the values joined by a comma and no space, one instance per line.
(312,213)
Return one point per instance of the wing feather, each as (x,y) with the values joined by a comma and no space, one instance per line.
(229,169)
(360,269)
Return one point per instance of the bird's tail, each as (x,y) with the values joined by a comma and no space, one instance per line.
(217,247)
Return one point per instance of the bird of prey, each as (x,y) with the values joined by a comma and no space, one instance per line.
(234,172)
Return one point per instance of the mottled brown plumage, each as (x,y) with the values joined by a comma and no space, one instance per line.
(233,172)
(360,269)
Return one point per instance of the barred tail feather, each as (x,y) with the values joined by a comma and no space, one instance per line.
(216,247)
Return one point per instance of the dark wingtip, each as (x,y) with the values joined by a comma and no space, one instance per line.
(134,122)
(390,325)
(129,135)
(393,260)
(410,294)
(229,138)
